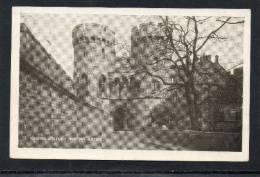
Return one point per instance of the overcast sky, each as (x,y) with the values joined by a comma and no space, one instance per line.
(54,31)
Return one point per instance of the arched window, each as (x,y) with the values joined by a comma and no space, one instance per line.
(102,85)
(117,86)
(83,85)
(134,86)
(93,38)
(125,81)
(131,84)
(156,85)
(123,86)
(173,78)
(85,53)
(81,38)
(103,52)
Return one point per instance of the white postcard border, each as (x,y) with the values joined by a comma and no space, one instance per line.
(107,154)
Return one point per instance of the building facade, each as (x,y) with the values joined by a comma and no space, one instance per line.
(106,95)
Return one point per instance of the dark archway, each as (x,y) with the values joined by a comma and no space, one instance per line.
(123,117)
(119,118)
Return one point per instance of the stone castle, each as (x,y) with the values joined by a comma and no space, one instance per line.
(100,77)
(97,68)
(103,97)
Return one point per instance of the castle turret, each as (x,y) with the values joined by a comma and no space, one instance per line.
(94,47)
(146,42)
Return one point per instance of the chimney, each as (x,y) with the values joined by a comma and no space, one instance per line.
(208,57)
(216,59)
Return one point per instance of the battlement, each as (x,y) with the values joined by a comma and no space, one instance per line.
(145,41)
(93,33)
(146,29)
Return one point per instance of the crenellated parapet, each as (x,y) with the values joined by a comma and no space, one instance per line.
(146,41)
(146,29)
(93,33)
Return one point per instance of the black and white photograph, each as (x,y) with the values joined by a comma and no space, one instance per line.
(130,84)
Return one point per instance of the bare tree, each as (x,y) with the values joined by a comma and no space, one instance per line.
(176,51)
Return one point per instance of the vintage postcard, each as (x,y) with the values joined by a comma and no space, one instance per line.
(130,84)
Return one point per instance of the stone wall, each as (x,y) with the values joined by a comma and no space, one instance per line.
(49,117)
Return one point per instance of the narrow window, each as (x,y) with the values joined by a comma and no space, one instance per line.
(117,87)
(83,86)
(93,38)
(156,85)
(85,53)
(102,85)
(135,86)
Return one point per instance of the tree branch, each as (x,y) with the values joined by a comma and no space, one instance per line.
(160,78)
(212,33)
(232,23)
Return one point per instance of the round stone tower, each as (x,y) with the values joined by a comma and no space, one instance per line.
(146,42)
(94,48)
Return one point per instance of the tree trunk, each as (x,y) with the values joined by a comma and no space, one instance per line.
(194,115)
(193,109)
